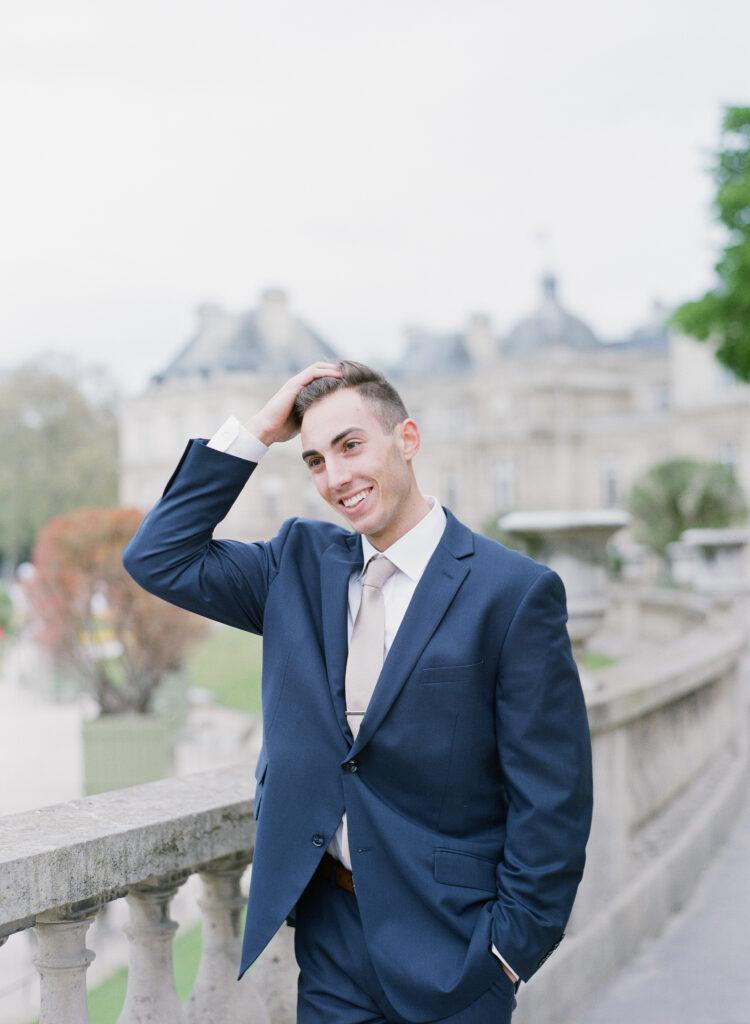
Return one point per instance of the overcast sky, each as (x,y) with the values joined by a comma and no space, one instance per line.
(387,163)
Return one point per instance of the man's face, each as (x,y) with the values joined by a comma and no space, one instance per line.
(360,469)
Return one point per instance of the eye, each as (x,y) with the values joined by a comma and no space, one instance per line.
(315,462)
(350,445)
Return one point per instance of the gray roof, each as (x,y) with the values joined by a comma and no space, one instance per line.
(652,336)
(549,326)
(268,339)
(433,355)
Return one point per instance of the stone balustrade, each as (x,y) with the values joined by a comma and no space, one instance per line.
(642,617)
(60,865)
(669,728)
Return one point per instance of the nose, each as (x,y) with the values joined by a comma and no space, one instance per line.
(339,474)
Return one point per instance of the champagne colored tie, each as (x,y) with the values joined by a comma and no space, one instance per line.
(368,642)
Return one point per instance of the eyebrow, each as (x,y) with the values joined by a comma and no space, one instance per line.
(335,440)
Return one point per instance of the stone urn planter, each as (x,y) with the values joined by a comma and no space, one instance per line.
(573,543)
(716,560)
(126,750)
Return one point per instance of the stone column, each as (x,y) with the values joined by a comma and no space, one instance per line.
(151,997)
(217,995)
(62,961)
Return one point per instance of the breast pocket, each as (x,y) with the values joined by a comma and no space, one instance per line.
(451,673)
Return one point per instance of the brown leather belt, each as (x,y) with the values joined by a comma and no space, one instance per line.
(335,873)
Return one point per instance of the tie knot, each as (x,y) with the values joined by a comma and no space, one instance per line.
(377,572)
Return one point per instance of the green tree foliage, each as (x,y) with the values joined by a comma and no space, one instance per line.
(6,612)
(95,619)
(58,452)
(681,494)
(724,312)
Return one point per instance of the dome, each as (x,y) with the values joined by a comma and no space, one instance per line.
(549,326)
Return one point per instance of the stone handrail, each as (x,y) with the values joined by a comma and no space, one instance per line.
(641,616)
(60,865)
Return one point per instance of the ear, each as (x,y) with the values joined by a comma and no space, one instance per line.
(407,435)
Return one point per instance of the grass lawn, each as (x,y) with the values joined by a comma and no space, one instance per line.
(592,661)
(228,663)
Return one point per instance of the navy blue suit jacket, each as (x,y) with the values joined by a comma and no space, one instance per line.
(468,787)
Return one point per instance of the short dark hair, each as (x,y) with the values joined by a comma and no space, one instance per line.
(372,385)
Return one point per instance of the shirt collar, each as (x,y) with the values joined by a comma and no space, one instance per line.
(411,553)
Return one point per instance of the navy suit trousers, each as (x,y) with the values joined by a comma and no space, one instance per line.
(337,982)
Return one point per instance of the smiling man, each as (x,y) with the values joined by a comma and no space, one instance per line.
(424,788)
(364,471)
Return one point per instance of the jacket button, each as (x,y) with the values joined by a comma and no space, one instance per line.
(318,839)
(351,766)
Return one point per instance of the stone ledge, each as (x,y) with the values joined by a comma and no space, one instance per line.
(69,852)
(691,606)
(645,682)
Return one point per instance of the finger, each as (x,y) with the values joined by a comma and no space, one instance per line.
(324,369)
(315,371)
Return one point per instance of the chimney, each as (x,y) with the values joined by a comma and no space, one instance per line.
(274,318)
(479,338)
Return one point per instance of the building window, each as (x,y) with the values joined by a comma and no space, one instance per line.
(272,488)
(312,500)
(729,454)
(727,380)
(661,396)
(610,489)
(450,489)
(504,485)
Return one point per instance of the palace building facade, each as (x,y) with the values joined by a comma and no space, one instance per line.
(548,416)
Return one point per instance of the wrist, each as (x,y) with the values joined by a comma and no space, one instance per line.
(258,428)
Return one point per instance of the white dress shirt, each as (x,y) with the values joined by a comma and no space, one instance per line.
(410,554)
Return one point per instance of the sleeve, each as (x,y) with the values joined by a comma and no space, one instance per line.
(174,555)
(545,754)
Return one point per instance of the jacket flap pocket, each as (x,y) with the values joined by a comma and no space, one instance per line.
(260,768)
(451,673)
(455,868)
(260,776)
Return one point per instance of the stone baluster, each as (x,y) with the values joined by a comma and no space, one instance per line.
(275,977)
(62,961)
(217,996)
(151,997)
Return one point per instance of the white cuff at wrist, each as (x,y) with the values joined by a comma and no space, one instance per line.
(234,439)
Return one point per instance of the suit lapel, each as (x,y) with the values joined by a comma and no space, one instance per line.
(336,566)
(445,572)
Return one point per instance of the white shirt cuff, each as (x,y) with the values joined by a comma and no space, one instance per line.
(503,961)
(234,439)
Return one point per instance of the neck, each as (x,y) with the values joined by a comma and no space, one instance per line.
(413,511)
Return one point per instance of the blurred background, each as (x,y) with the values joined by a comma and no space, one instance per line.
(535,220)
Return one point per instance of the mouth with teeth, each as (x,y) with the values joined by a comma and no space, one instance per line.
(355,500)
